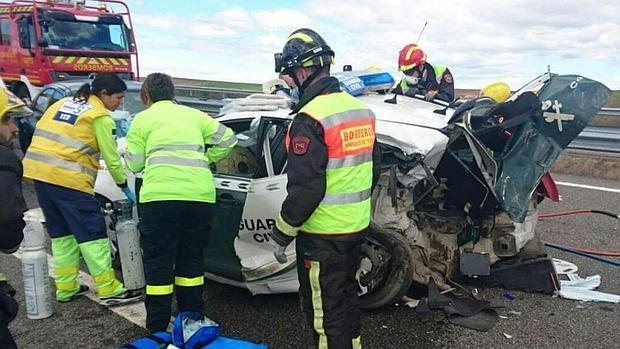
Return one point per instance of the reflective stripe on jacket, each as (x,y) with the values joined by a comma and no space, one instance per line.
(174,145)
(64,149)
(349,133)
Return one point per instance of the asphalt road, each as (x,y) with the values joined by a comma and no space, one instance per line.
(544,321)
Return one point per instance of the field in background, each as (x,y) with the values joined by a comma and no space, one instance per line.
(614,101)
(218,84)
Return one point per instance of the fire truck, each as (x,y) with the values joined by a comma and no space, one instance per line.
(44,41)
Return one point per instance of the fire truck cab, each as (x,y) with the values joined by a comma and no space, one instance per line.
(44,41)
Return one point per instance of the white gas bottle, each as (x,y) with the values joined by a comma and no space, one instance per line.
(128,239)
(35,275)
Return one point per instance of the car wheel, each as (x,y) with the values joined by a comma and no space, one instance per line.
(384,272)
(110,224)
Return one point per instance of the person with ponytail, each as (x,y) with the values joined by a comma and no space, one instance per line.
(63,160)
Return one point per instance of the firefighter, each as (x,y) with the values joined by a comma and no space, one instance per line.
(432,81)
(63,160)
(12,207)
(327,209)
(177,196)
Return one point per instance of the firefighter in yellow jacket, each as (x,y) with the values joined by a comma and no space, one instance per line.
(63,160)
(330,172)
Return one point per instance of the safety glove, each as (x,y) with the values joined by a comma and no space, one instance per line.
(279,241)
(430,95)
(129,194)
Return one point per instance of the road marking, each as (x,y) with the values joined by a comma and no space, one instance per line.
(134,312)
(610,190)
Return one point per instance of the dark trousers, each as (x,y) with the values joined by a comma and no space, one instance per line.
(6,339)
(173,237)
(328,289)
(69,211)
(8,311)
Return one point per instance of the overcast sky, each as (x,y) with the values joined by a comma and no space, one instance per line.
(480,41)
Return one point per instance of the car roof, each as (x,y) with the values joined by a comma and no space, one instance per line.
(407,111)
(74,85)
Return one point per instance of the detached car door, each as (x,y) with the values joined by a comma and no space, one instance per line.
(251,186)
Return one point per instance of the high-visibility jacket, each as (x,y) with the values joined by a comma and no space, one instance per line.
(174,145)
(437,69)
(64,149)
(349,134)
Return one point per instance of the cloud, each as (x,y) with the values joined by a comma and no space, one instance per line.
(280,19)
(479,41)
(234,17)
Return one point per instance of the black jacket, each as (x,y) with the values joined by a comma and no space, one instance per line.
(12,204)
(306,172)
(445,85)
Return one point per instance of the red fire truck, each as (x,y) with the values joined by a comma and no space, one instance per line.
(43,41)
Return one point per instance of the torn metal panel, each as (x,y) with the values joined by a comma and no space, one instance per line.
(265,195)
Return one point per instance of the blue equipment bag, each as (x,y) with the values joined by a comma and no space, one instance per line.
(191,330)
(233,343)
(159,340)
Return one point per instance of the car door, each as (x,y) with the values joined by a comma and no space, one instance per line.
(250,190)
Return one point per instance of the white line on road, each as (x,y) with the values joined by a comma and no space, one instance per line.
(584,186)
(134,312)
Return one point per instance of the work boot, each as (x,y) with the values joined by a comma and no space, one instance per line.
(129,296)
(83,290)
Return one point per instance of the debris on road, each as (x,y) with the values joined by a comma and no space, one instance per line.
(509,296)
(469,313)
(578,288)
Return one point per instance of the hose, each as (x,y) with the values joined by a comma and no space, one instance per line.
(583,251)
(587,255)
(568,213)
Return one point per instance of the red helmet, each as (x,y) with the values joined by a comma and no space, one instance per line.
(410,57)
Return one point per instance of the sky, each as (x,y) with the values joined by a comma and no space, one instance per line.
(481,41)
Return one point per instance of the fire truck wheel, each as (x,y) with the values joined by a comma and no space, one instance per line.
(384,273)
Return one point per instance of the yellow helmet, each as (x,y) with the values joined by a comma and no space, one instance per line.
(498,91)
(8,101)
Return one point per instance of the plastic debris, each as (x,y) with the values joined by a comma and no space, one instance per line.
(507,335)
(509,296)
(578,288)
(512,312)
(410,302)
(503,317)
(563,267)
(383,326)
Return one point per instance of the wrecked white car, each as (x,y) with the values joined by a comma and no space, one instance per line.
(457,196)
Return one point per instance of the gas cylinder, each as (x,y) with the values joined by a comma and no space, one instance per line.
(128,240)
(35,275)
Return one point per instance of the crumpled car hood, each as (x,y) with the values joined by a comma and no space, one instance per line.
(410,125)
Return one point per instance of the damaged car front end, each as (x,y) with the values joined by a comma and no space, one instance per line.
(457,195)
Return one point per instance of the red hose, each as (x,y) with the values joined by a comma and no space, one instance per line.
(584,250)
(563,213)
(598,253)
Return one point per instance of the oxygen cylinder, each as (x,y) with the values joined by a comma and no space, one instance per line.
(128,240)
(35,275)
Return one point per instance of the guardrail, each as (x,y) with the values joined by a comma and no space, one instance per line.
(210,100)
(207,93)
(610,111)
